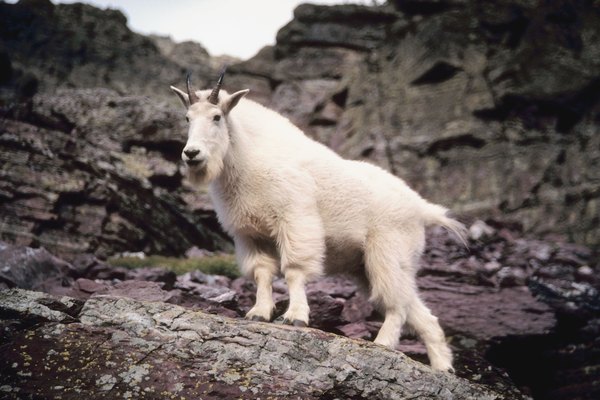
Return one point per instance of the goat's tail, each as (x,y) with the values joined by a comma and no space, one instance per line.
(437,215)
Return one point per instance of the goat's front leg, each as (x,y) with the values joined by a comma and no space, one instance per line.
(258,260)
(302,249)
(298,310)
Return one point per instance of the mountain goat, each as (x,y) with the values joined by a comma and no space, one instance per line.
(295,207)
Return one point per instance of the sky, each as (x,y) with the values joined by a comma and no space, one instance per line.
(224,27)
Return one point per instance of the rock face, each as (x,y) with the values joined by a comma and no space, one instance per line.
(116,347)
(44,46)
(89,171)
(489,108)
(498,118)
(523,306)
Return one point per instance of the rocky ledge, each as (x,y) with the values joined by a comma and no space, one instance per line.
(518,313)
(111,347)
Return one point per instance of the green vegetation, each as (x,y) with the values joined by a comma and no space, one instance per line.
(221,264)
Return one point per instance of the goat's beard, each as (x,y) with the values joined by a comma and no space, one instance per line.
(204,174)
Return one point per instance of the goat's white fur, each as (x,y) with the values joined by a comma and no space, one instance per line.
(295,207)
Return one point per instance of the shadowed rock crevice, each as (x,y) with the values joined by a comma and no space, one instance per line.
(440,72)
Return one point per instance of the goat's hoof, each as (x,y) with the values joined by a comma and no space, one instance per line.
(284,321)
(299,323)
(258,318)
(449,369)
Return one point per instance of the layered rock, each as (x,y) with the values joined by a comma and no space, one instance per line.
(90,171)
(45,46)
(527,307)
(489,108)
(113,347)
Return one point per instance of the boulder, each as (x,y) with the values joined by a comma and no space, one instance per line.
(28,268)
(123,347)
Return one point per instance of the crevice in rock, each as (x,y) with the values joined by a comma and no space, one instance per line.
(510,32)
(328,45)
(73,311)
(466,140)
(565,110)
(425,7)
(169,149)
(24,112)
(340,97)
(439,72)
(171,182)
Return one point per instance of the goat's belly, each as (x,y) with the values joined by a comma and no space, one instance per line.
(343,257)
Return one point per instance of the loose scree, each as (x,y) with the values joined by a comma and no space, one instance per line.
(294,207)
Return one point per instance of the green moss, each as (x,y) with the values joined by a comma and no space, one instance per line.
(222,264)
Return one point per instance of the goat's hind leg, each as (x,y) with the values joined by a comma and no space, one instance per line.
(429,330)
(391,283)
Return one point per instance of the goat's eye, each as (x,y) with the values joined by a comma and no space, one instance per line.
(217,118)
(187,118)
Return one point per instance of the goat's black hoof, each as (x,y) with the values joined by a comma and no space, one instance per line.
(284,321)
(299,323)
(258,318)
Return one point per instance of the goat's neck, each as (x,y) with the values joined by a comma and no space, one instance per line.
(234,162)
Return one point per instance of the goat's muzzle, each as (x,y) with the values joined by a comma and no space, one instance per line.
(193,157)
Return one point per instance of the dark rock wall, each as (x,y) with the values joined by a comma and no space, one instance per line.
(44,46)
(89,171)
(488,107)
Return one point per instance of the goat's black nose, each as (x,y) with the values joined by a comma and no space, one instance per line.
(191,153)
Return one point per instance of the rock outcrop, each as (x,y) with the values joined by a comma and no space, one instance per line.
(489,108)
(116,347)
(90,171)
(513,304)
(45,46)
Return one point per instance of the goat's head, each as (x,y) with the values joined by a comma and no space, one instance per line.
(208,134)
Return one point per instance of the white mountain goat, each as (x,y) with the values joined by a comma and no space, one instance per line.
(295,207)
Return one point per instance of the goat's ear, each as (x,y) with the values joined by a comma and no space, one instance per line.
(182,96)
(232,100)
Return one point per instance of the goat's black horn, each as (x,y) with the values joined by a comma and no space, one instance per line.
(191,94)
(214,95)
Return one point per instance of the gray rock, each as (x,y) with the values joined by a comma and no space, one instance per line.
(458,118)
(107,178)
(78,45)
(130,348)
(28,268)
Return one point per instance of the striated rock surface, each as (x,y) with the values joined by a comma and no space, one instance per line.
(44,46)
(491,108)
(510,304)
(117,347)
(90,171)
